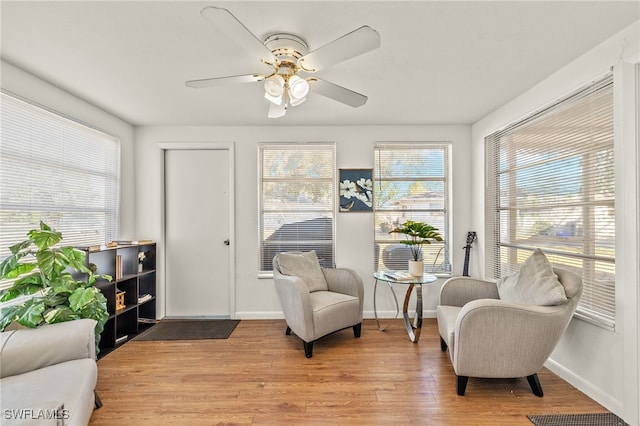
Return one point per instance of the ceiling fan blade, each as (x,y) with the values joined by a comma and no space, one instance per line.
(277,111)
(337,93)
(231,26)
(223,81)
(355,43)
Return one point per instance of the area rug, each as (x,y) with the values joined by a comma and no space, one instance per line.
(597,419)
(189,330)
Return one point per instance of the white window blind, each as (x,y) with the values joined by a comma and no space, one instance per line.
(296,190)
(551,185)
(55,170)
(411,182)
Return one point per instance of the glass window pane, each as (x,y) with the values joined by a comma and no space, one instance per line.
(411,183)
(297,196)
(552,187)
(56,170)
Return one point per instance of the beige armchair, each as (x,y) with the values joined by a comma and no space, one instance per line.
(493,338)
(317,301)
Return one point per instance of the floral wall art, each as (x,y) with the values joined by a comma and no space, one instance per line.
(356,190)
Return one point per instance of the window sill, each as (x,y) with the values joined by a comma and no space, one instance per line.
(265,275)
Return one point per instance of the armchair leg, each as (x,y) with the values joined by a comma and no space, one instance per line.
(534,382)
(462,384)
(308,349)
(98,402)
(288,332)
(357,330)
(443,345)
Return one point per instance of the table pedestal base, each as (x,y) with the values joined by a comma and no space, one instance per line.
(413,328)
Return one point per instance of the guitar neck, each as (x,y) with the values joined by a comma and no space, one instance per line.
(465,269)
(471,237)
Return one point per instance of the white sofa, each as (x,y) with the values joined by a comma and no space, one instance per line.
(48,374)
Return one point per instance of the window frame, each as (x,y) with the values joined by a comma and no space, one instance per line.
(597,304)
(446,210)
(38,145)
(331,211)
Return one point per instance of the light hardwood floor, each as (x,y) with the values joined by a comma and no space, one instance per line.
(261,376)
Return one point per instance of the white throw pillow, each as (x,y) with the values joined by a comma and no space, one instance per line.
(305,266)
(534,284)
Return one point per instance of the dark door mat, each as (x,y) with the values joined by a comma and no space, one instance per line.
(189,330)
(597,419)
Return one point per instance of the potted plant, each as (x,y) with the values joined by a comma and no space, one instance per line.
(418,233)
(40,269)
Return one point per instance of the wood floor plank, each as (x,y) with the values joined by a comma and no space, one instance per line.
(261,376)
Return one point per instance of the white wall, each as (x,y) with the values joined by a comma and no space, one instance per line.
(601,363)
(256,298)
(38,91)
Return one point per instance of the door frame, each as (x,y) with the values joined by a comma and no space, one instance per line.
(217,146)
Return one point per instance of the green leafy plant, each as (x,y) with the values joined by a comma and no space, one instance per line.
(418,233)
(43,271)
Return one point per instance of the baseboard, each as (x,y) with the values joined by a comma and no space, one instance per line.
(392,314)
(585,387)
(366,315)
(253,315)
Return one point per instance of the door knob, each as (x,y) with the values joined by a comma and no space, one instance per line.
(226,242)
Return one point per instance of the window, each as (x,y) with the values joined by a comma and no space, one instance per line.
(55,170)
(411,182)
(296,187)
(551,185)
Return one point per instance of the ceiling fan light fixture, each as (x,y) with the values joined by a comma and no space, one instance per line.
(277,111)
(274,86)
(295,102)
(298,87)
(277,100)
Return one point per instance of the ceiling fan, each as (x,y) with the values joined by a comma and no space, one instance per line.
(289,57)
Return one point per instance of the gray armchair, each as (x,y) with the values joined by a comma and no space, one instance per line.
(317,301)
(492,338)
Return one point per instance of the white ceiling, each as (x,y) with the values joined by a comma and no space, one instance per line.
(441,62)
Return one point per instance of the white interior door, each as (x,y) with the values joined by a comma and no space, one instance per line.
(196,229)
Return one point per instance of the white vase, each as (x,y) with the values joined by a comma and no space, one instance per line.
(416,268)
(139,267)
